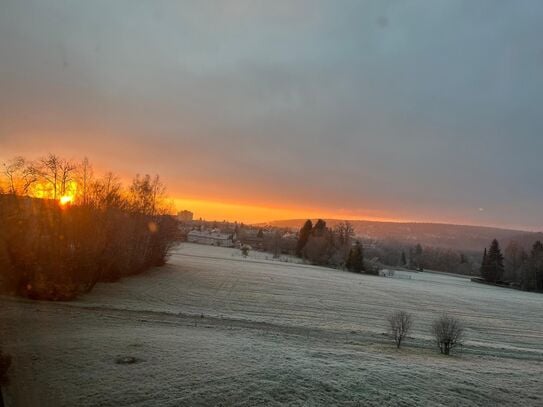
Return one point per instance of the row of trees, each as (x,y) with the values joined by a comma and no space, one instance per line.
(332,247)
(522,269)
(336,247)
(65,229)
(418,257)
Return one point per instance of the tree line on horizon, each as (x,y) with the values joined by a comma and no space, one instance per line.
(337,247)
(54,248)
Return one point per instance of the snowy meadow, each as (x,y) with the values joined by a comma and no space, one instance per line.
(214,328)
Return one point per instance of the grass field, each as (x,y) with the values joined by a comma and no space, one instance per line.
(213,328)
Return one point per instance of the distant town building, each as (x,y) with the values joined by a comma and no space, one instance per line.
(251,237)
(185,216)
(211,237)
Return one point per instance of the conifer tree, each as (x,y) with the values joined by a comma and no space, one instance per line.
(403,259)
(355,261)
(536,265)
(303,236)
(319,229)
(417,258)
(493,270)
(483,264)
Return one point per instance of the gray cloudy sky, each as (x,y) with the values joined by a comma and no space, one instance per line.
(420,110)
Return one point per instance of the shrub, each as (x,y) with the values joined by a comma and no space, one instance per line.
(400,323)
(448,332)
(244,250)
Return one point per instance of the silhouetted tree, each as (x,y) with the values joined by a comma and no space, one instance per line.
(512,260)
(418,257)
(319,229)
(492,269)
(55,174)
(355,260)
(342,237)
(536,265)
(19,176)
(482,270)
(54,252)
(303,236)
(403,260)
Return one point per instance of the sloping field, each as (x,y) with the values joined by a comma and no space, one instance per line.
(213,328)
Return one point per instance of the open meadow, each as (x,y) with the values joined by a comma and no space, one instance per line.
(214,328)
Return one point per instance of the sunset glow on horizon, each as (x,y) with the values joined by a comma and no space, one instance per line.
(256,111)
(254,213)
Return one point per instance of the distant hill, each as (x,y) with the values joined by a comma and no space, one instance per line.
(460,237)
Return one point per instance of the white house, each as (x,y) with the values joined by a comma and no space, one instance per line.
(211,237)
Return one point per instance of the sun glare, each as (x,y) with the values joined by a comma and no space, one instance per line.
(65,200)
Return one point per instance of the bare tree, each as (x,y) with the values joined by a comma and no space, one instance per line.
(56,174)
(19,176)
(344,234)
(400,324)
(449,332)
(146,194)
(84,178)
(106,192)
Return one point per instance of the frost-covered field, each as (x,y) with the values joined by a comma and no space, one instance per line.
(213,328)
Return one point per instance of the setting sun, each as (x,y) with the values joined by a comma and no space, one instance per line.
(65,200)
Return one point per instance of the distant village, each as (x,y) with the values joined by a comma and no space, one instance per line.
(227,234)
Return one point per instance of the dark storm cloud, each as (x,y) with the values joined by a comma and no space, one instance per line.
(423,110)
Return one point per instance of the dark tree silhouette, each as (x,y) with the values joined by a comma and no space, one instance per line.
(483,263)
(303,236)
(355,260)
(492,268)
(403,259)
(536,265)
(319,229)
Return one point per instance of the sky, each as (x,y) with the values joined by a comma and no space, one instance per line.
(258,110)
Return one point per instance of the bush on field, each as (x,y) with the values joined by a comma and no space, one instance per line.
(448,332)
(400,323)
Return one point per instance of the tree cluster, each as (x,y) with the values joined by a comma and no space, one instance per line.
(515,266)
(332,247)
(418,257)
(55,250)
